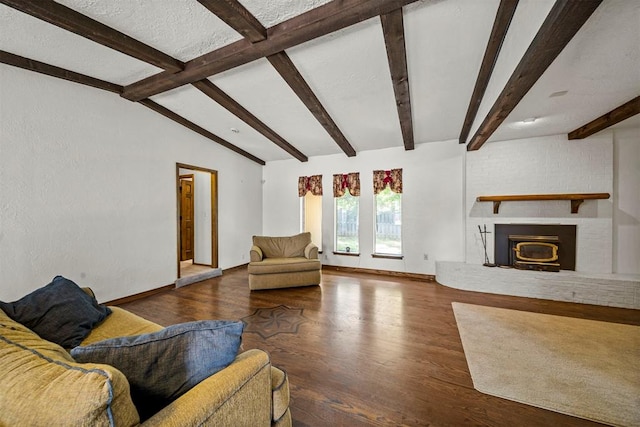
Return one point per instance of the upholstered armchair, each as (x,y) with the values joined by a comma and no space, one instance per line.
(283,262)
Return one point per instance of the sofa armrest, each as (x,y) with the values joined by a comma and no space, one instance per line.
(311,251)
(255,255)
(239,395)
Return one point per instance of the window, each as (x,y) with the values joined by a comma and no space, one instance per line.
(310,193)
(311,217)
(388,232)
(347,225)
(387,187)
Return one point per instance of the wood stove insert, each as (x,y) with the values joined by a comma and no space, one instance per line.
(544,247)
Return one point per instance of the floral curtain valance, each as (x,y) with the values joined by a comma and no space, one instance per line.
(347,180)
(392,178)
(311,183)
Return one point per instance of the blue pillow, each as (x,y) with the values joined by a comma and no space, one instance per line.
(60,312)
(162,366)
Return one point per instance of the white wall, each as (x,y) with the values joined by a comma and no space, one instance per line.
(432,212)
(87,189)
(202,208)
(544,165)
(626,208)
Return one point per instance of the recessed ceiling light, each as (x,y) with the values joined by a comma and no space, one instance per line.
(530,120)
(234,130)
(560,93)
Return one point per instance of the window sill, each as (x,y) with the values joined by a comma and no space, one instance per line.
(347,253)
(387,256)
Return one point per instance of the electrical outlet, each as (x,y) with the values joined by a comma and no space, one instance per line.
(426,257)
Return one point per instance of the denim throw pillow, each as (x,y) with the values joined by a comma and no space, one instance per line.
(60,312)
(162,366)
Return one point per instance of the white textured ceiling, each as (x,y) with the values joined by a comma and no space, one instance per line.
(350,75)
(445,45)
(277,106)
(182,29)
(348,69)
(599,69)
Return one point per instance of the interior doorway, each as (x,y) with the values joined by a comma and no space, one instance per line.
(197,219)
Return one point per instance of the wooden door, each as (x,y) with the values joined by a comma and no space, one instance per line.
(186,219)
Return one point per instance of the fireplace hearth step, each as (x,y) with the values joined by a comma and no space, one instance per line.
(613,290)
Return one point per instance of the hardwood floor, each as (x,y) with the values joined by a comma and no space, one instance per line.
(373,350)
(188,268)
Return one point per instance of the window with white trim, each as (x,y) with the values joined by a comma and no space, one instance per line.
(346,192)
(387,190)
(388,224)
(347,224)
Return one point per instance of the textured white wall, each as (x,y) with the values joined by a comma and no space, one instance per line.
(202,208)
(626,209)
(87,189)
(432,212)
(545,165)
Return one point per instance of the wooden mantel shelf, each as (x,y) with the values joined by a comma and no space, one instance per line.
(576,199)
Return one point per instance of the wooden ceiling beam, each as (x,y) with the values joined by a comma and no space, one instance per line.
(70,20)
(53,71)
(235,15)
(393,29)
(283,65)
(194,127)
(317,22)
(623,112)
(563,22)
(506,10)
(219,96)
(240,19)
(61,73)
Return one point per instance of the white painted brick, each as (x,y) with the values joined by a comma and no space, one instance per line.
(602,289)
(544,165)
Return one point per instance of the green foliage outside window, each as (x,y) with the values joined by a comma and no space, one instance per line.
(347,224)
(388,236)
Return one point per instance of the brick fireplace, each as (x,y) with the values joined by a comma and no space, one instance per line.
(545,165)
(551,165)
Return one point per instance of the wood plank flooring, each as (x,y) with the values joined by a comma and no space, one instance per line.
(373,350)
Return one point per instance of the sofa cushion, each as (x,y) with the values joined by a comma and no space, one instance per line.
(283,265)
(163,365)
(60,312)
(283,247)
(41,385)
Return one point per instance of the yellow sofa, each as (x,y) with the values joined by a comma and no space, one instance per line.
(41,385)
(283,262)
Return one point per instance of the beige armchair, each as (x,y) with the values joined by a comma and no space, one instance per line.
(283,262)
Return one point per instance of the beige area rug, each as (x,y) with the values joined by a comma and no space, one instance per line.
(583,368)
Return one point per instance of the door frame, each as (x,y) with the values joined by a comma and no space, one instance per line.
(214,212)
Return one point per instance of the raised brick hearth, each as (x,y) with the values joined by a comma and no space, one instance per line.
(571,286)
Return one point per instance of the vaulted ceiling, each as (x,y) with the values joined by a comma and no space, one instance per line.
(283,79)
